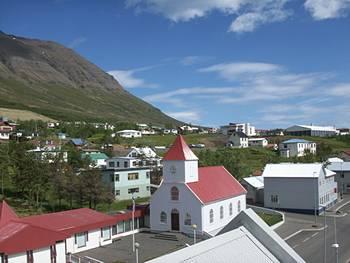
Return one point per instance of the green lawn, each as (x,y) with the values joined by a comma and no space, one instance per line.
(269,218)
(120,205)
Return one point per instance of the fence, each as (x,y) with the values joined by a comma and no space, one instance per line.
(77,259)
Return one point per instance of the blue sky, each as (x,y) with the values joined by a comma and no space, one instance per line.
(273,63)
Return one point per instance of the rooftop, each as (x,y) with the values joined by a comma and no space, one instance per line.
(296,141)
(179,151)
(339,166)
(300,170)
(215,183)
(255,181)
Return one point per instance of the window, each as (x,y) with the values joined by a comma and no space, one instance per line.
(230,209)
(117,192)
(133,190)
(111,164)
(117,177)
(133,176)
(118,164)
(148,174)
(30,258)
(53,253)
(80,239)
(188,220)
(163,217)
(120,227)
(147,188)
(125,164)
(174,193)
(211,216)
(239,206)
(221,212)
(106,233)
(4,258)
(274,198)
(111,177)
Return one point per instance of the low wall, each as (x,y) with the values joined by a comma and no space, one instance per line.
(258,209)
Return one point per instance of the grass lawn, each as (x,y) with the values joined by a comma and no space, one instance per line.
(270,219)
(120,205)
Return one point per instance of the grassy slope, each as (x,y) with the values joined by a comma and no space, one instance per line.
(23,115)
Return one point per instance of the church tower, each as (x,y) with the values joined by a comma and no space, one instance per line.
(180,164)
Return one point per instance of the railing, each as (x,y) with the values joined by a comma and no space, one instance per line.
(77,259)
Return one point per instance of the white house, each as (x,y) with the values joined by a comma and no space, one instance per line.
(51,237)
(246,239)
(50,153)
(311,130)
(238,140)
(129,134)
(257,142)
(246,128)
(342,169)
(255,189)
(145,152)
(296,147)
(209,197)
(127,176)
(299,187)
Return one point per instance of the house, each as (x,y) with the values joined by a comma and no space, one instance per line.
(311,130)
(50,152)
(62,136)
(299,187)
(209,197)
(170,131)
(342,170)
(296,148)
(246,239)
(98,159)
(78,142)
(129,134)
(145,152)
(257,142)
(238,140)
(127,177)
(246,128)
(255,189)
(343,131)
(51,237)
(6,129)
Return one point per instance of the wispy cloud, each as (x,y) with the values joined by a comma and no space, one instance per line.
(77,42)
(186,116)
(128,79)
(327,9)
(192,60)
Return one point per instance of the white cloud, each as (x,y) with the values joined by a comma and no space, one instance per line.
(246,14)
(185,116)
(327,9)
(128,80)
(77,42)
(191,60)
(341,90)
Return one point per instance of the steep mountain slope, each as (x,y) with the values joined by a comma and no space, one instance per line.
(47,78)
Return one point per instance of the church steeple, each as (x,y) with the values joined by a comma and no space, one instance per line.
(180,164)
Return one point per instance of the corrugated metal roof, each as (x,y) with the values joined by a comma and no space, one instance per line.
(301,170)
(255,181)
(296,141)
(238,246)
(339,166)
(215,183)
(179,151)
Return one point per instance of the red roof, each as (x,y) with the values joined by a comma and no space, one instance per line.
(215,183)
(6,213)
(72,221)
(179,151)
(16,237)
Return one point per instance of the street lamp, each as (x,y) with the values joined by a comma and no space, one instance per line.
(325,233)
(133,222)
(336,246)
(137,245)
(316,197)
(194,226)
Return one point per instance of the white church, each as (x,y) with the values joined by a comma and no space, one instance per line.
(208,197)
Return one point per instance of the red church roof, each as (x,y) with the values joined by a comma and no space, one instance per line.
(179,151)
(215,183)
(6,213)
(72,221)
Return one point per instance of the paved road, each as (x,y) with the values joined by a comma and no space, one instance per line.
(310,244)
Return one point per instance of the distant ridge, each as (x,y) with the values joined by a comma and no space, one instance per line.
(49,79)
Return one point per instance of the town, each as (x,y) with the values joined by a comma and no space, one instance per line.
(96,192)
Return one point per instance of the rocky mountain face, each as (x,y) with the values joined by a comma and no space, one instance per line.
(50,79)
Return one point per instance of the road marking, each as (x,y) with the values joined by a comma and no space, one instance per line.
(306,239)
(301,230)
(295,246)
(314,234)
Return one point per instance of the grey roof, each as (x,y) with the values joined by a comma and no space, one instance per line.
(262,232)
(339,166)
(238,244)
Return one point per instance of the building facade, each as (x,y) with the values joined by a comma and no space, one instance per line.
(246,128)
(238,140)
(257,142)
(311,130)
(296,148)
(299,187)
(127,177)
(342,170)
(208,197)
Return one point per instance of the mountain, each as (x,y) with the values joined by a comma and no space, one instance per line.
(47,78)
